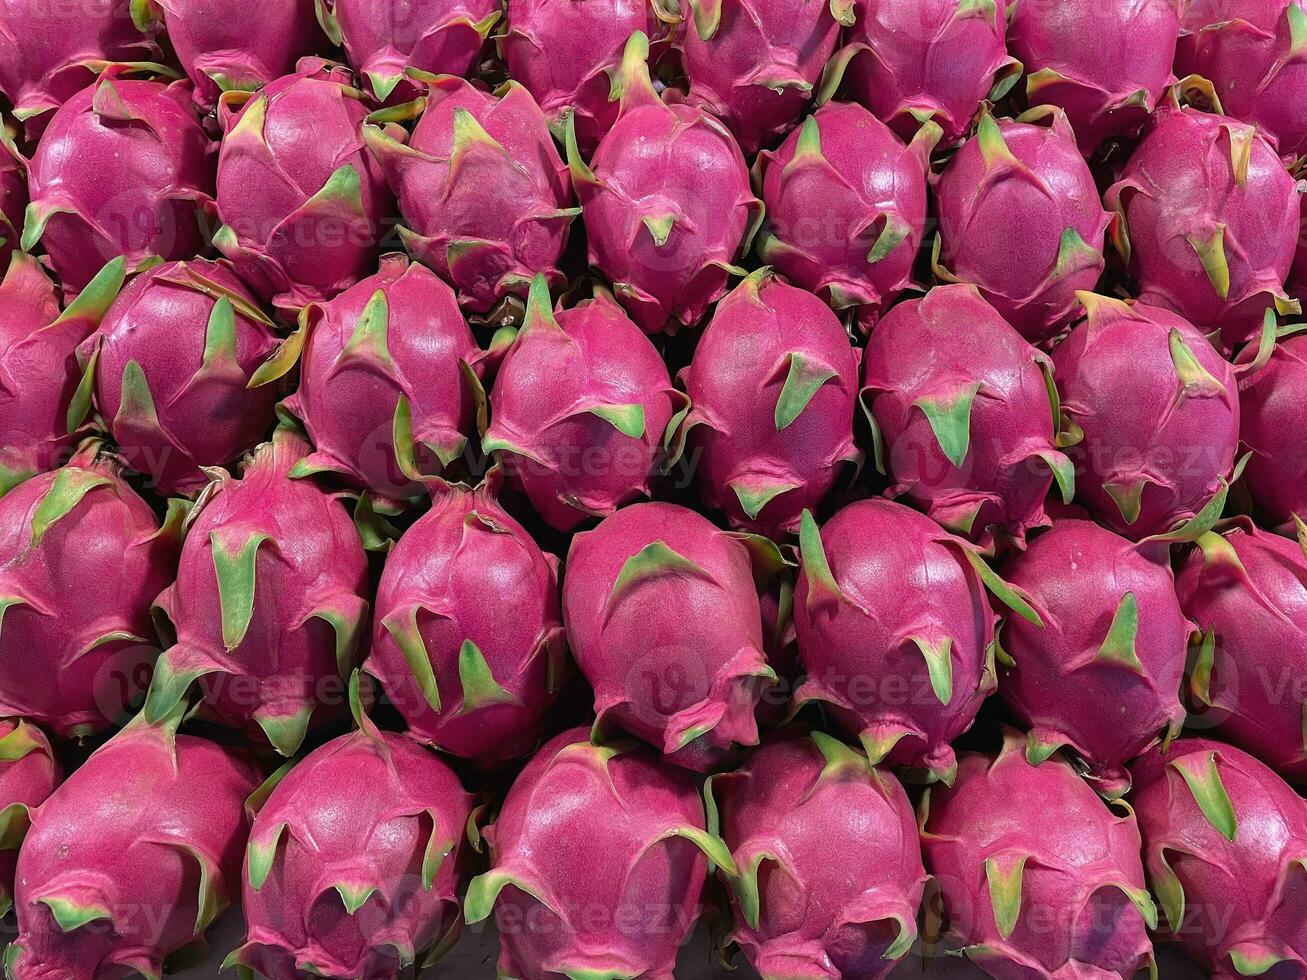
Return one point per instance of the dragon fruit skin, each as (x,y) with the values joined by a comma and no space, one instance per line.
(391,344)
(755,64)
(13,195)
(1208,218)
(467,638)
(29,773)
(39,372)
(964,416)
(132,858)
(268,607)
(1224,841)
(773,387)
(1159,412)
(688,684)
(72,665)
(912,60)
(124,168)
(846,208)
(1039,877)
(1021,217)
(1103,676)
(484,194)
(355,861)
(838,902)
(588,835)
(1247,591)
(1270,405)
(667,202)
(581,409)
(1106,64)
(171,361)
(301,205)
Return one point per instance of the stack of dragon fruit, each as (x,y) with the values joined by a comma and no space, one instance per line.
(827,475)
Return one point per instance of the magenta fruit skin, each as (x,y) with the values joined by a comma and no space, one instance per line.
(13,195)
(1270,404)
(29,773)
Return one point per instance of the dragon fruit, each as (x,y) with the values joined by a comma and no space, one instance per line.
(1156,412)
(384,39)
(13,194)
(1107,64)
(132,857)
(1208,218)
(755,64)
(1224,840)
(1270,405)
(846,208)
(596,867)
(913,60)
(667,202)
(1020,216)
(482,189)
(268,607)
(232,45)
(567,52)
(773,385)
(1247,591)
(466,637)
(838,901)
(581,409)
(39,373)
(169,366)
(1103,676)
(123,169)
(963,417)
(896,632)
(29,773)
(81,559)
(300,198)
(355,860)
(688,684)
(1038,876)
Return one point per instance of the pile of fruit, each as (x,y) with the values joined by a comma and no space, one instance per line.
(828,472)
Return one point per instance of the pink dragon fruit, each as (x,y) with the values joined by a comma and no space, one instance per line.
(1020,216)
(132,857)
(837,901)
(39,373)
(1156,412)
(389,381)
(567,52)
(1107,64)
(268,607)
(13,194)
(1103,676)
(355,860)
(964,418)
(686,684)
(232,45)
(1224,840)
(81,559)
(773,388)
(1208,218)
(1270,405)
(581,410)
(466,637)
(895,631)
(383,39)
(598,847)
(846,208)
(482,189)
(123,169)
(1038,876)
(1296,284)
(913,60)
(1247,590)
(29,773)
(301,204)
(755,64)
(169,367)
(667,202)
